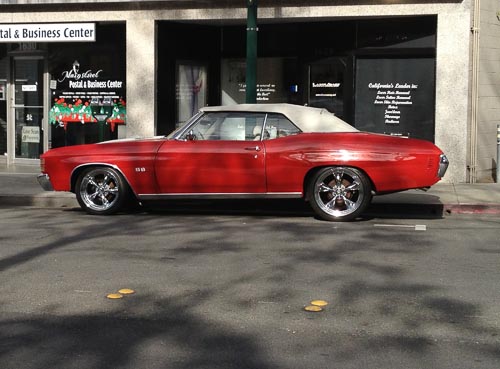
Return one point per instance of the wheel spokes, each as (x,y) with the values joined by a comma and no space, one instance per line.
(323,187)
(93,195)
(331,204)
(100,190)
(339,191)
(91,180)
(104,200)
(354,186)
(351,205)
(339,175)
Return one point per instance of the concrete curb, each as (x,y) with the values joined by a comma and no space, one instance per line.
(41,200)
(492,209)
(432,209)
(54,200)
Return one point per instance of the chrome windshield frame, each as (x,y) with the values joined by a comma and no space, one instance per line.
(179,132)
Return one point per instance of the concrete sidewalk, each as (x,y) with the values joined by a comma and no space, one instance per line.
(19,187)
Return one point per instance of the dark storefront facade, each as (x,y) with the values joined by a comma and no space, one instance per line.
(400,69)
(379,76)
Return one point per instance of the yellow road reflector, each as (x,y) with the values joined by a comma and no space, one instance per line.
(319,303)
(313,308)
(126,291)
(114,296)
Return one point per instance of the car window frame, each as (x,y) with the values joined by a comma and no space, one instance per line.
(265,127)
(184,130)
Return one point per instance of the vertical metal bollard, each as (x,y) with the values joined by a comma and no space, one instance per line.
(498,153)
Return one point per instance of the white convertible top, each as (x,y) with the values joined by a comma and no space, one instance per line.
(306,118)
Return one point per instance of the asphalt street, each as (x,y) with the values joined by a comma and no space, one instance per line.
(229,291)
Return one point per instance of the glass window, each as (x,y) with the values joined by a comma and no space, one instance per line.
(277,126)
(88,88)
(327,85)
(232,126)
(191,90)
(395,96)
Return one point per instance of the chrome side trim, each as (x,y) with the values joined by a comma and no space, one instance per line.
(443,165)
(220,196)
(44,181)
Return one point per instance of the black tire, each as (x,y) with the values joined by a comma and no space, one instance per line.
(101,190)
(339,193)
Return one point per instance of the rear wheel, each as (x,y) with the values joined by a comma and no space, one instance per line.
(101,190)
(339,193)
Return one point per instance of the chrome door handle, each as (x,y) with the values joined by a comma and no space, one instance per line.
(253,148)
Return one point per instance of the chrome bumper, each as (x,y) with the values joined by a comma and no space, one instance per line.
(443,165)
(44,181)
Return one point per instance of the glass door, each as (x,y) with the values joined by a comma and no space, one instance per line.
(4,67)
(28,106)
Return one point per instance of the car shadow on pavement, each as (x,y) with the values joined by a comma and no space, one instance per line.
(289,208)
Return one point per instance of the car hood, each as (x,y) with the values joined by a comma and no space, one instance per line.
(122,146)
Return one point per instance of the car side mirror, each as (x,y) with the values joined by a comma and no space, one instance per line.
(190,136)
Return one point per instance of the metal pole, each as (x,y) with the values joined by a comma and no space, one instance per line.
(498,153)
(251,72)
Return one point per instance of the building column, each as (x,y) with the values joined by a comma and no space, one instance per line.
(140,78)
(452,91)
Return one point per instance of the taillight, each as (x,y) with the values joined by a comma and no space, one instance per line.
(42,165)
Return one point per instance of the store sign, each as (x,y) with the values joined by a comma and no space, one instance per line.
(85,95)
(326,89)
(29,88)
(396,97)
(30,134)
(264,91)
(47,32)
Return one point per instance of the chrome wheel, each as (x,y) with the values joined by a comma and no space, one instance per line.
(101,190)
(339,193)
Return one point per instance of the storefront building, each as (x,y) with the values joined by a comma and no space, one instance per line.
(81,71)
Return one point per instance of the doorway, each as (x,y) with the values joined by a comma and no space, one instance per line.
(27,107)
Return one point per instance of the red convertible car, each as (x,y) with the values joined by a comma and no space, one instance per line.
(247,151)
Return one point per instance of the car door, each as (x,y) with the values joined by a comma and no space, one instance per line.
(220,154)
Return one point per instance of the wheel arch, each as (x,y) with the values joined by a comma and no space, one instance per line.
(79,169)
(311,172)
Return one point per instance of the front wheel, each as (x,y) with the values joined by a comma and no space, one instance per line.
(101,191)
(339,193)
